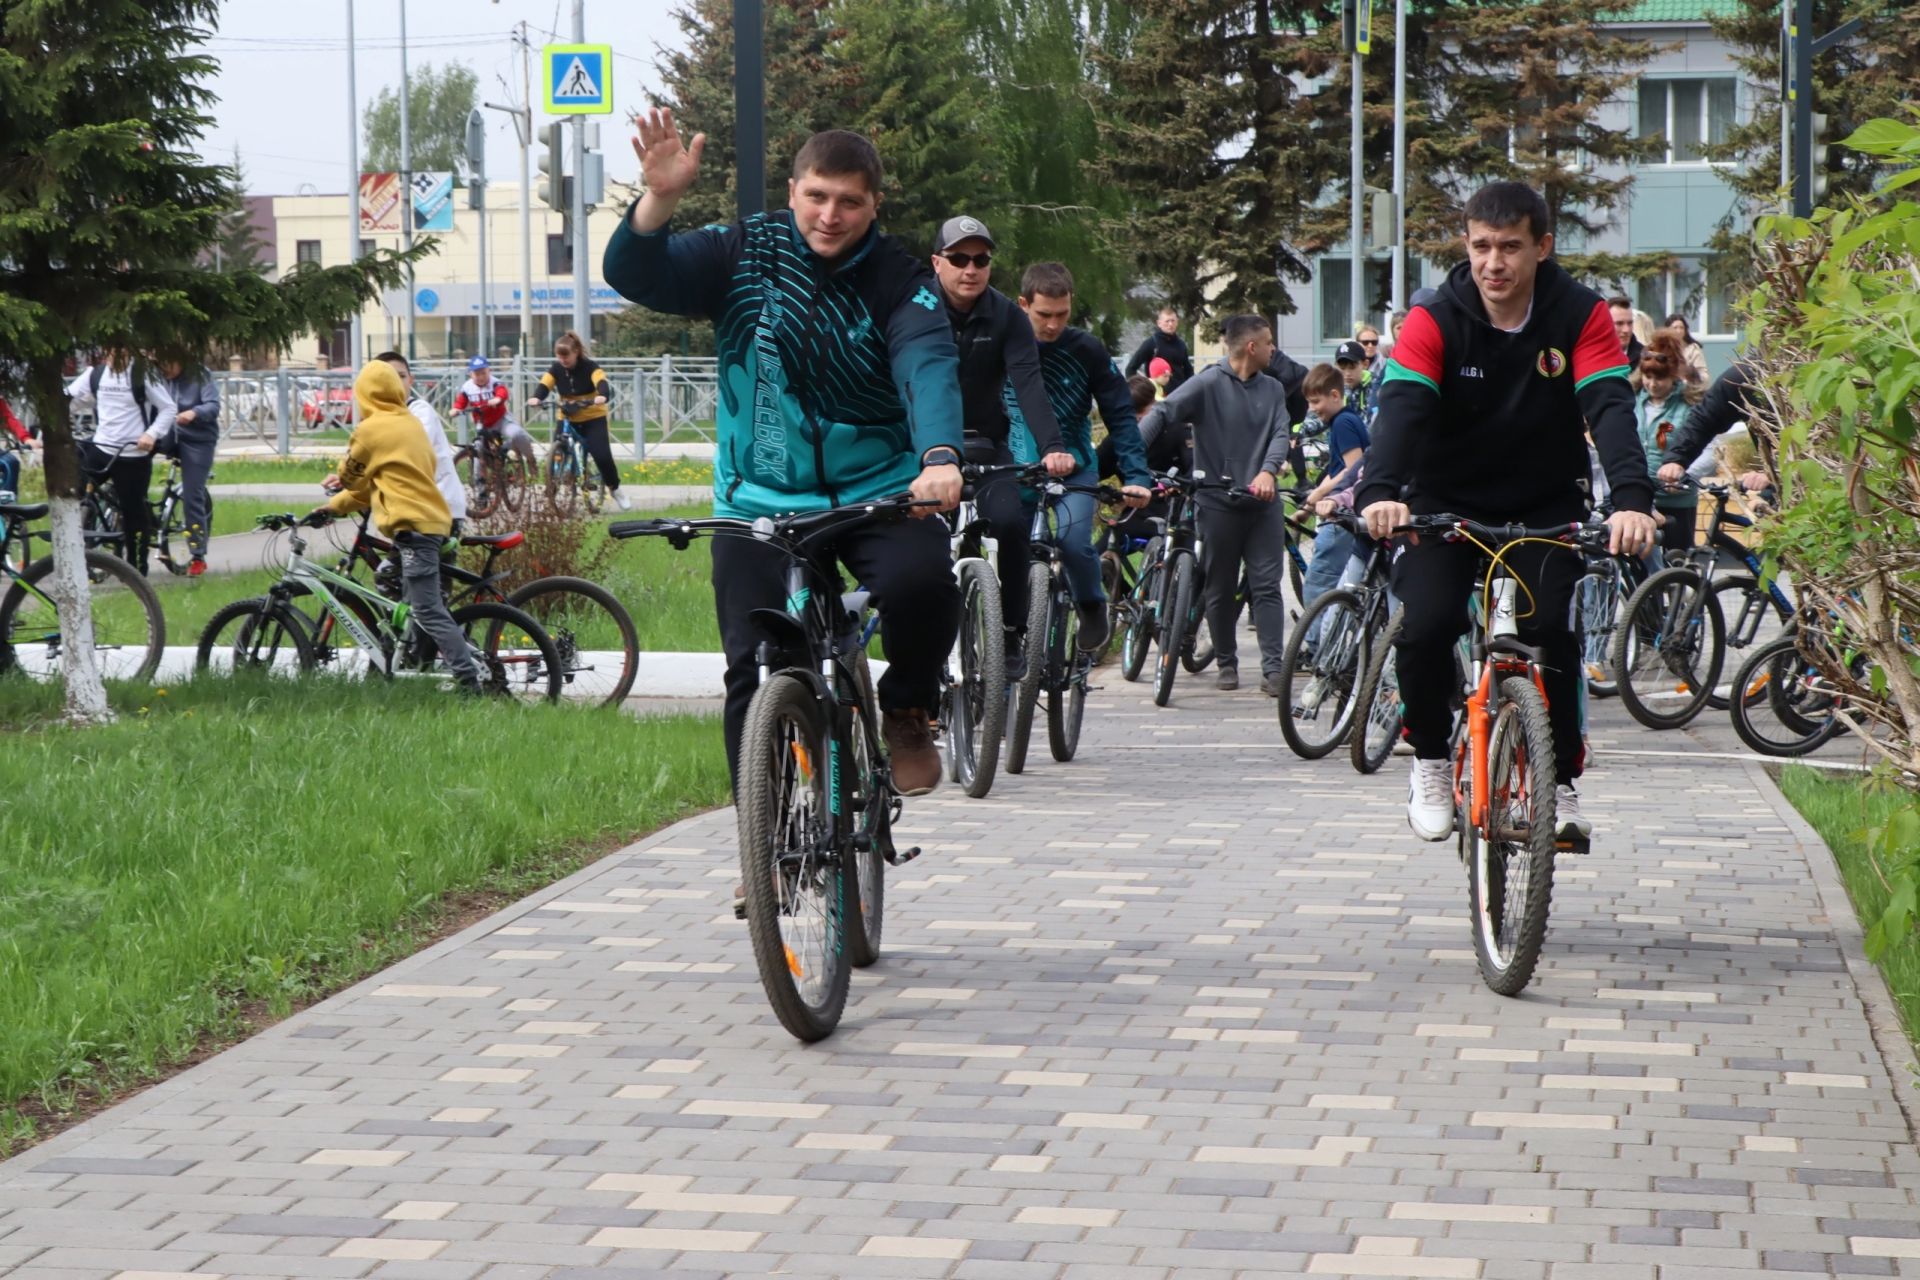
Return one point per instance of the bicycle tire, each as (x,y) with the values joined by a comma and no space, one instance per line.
(1744,628)
(562,481)
(1510,880)
(483,496)
(1110,580)
(1067,709)
(265,628)
(513,650)
(1139,636)
(1173,627)
(513,480)
(1332,670)
(1199,654)
(1026,694)
(1296,574)
(1775,672)
(600,617)
(866,920)
(1642,642)
(976,714)
(30,636)
(1597,619)
(787,860)
(1377,711)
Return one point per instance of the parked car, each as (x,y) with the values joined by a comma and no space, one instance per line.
(325,402)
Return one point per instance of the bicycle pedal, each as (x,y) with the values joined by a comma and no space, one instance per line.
(740,909)
(900,857)
(1578,845)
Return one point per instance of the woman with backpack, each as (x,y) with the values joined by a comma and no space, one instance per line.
(133,411)
(584,396)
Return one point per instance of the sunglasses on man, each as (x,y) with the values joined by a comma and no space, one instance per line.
(961,261)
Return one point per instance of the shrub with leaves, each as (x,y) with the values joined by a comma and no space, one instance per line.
(1835,334)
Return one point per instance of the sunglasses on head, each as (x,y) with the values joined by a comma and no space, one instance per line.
(961,261)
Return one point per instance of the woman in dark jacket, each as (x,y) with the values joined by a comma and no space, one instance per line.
(585,394)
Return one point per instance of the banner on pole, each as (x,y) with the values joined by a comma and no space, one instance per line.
(379,204)
(433,202)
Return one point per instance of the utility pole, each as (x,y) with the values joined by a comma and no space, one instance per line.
(406,175)
(477,200)
(1356,44)
(1804,48)
(357,352)
(749,106)
(1399,302)
(524,122)
(582,313)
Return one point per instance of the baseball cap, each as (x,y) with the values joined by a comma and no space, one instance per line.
(1421,297)
(476,364)
(956,229)
(1350,350)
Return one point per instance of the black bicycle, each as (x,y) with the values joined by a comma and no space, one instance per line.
(1056,664)
(815,796)
(1321,681)
(105,526)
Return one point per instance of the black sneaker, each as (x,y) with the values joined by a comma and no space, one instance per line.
(1094,627)
(1228,679)
(1016,657)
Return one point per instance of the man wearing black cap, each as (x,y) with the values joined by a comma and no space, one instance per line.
(997,350)
(1352,360)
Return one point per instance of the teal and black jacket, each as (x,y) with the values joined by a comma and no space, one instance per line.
(1078,373)
(835,377)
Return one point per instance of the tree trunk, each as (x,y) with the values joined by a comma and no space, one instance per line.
(67,584)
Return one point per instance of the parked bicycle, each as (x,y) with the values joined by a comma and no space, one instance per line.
(129,629)
(815,795)
(269,633)
(1675,635)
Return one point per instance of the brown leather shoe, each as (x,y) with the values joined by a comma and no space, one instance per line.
(916,761)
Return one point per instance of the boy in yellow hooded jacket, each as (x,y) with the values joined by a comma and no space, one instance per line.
(390,468)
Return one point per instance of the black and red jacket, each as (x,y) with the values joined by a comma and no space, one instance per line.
(1491,425)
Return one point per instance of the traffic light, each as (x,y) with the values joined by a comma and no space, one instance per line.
(476,159)
(1821,151)
(553,167)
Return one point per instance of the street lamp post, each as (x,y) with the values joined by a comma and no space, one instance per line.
(749,106)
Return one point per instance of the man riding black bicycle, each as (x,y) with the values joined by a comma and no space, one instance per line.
(839,385)
(1481,414)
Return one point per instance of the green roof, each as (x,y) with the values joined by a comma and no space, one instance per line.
(1676,10)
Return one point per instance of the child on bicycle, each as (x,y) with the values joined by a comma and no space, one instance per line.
(390,468)
(584,396)
(492,405)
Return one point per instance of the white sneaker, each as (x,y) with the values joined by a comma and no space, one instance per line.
(621,500)
(1430,799)
(1566,808)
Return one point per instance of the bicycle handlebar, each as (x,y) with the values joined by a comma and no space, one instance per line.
(1586,537)
(288,520)
(794,529)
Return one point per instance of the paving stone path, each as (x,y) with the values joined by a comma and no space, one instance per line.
(1186,1007)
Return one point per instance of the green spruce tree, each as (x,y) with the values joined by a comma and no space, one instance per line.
(106,217)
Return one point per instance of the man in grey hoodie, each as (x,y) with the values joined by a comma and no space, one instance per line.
(195,435)
(1240,435)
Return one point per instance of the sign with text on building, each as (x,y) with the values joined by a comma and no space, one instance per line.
(380,204)
(433,202)
(503,299)
(578,79)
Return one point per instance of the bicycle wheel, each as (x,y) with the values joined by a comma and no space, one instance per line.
(1510,863)
(1111,580)
(976,713)
(1786,710)
(513,480)
(1026,694)
(1175,623)
(1377,711)
(866,795)
(483,494)
(1317,703)
(563,477)
(1596,605)
(797,895)
(260,635)
(1751,617)
(169,531)
(517,656)
(591,631)
(1297,565)
(1067,708)
(1668,649)
(129,629)
(1139,634)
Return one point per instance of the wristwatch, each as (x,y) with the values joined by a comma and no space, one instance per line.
(940,455)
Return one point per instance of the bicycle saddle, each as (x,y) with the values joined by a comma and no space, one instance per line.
(22,510)
(498,541)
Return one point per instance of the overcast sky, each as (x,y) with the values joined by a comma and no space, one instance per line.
(282,85)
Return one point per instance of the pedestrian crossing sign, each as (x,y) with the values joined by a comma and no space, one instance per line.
(578,79)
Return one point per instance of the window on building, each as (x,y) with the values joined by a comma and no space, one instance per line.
(1686,113)
(1336,302)
(306,251)
(559,261)
(1704,295)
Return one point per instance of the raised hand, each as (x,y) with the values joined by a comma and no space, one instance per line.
(667,167)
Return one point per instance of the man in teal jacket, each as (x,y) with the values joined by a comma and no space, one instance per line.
(839,383)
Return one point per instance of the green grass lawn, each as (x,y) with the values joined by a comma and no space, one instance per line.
(298,837)
(1839,808)
(667,592)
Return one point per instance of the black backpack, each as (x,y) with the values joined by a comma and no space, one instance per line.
(137,376)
